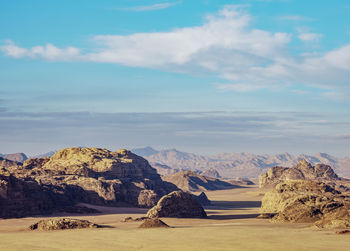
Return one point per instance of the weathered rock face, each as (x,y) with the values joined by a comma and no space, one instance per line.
(177,204)
(303,201)
(61,224)
(19,198)
(8,163)
(90,175)
(193,182)
(302,171)
(153,223)
(95,162)
(335,219)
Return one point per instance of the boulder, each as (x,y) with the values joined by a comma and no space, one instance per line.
(61,224)
(153,223)
(177,204)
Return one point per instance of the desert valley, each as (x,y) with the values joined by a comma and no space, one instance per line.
(175,125)
(95,199)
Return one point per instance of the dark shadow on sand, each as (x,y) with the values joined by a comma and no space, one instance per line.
(228,205)
(232,216)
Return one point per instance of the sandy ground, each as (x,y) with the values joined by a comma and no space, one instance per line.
(231,226)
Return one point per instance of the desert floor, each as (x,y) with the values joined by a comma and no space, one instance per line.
(231,226)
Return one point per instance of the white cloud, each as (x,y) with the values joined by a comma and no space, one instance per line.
(225,44)
(310,36)
(48,52)
(157,6)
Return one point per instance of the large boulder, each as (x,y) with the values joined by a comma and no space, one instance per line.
(302,201)
(303,170)
(62,224)
(177,204)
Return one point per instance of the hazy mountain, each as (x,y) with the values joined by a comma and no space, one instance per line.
(18,157)
(230,165)
(146,151)
(48,154)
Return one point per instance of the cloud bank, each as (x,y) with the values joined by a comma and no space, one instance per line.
(242,57)
(204,131)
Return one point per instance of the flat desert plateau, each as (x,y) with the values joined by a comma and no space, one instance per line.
(231,225)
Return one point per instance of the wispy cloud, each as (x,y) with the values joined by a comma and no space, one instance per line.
(295,18)
(157,6)
(310,36)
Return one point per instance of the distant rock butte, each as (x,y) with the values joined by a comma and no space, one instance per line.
(193,182)
(73,175)
(303,170)
(177,204)
(18,157)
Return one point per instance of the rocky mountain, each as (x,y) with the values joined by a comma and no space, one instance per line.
(303,170)
(73,175)
(192,182)
(231,165)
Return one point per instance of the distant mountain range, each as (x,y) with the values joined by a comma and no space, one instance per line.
(225,165)
(231,165)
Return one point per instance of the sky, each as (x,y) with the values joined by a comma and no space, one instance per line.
(259,76)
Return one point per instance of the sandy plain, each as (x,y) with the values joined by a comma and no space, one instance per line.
(231,225)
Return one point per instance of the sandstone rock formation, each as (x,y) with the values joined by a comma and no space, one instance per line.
(153,223)
(61,224)
(307,201)
(193,182)
(88,175)
(302,171)
(177,204)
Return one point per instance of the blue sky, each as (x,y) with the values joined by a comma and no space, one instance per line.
(262,76)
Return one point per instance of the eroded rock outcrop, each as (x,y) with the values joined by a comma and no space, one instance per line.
(89,175)
(177,204)
(302,171)
(62,224)
(306,201)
